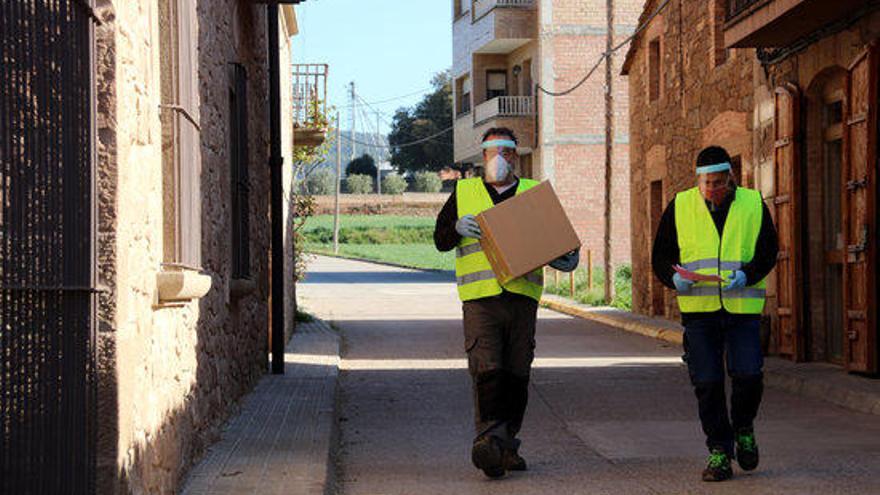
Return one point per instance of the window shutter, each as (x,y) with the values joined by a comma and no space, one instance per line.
(189,144)
(788,221)
(860,214)
(239,173)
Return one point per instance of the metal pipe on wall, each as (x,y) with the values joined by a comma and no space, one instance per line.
(276,162)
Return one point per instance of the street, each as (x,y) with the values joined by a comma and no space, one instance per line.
(609,412)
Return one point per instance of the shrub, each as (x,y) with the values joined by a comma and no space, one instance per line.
(359,184)
(393,184)
(321,182)
(428,182)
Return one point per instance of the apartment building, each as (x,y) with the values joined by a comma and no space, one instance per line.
(507,56)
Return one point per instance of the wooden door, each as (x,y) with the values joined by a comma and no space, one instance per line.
(786,200)
(859,181)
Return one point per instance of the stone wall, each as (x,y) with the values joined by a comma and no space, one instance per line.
(700,103)
(170,374)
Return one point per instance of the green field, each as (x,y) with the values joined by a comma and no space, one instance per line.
(400,240)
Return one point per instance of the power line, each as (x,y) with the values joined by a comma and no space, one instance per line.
(402,145)
(391,125)
(396,98)
(605,55)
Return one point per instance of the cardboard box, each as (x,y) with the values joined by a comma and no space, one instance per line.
(526,232)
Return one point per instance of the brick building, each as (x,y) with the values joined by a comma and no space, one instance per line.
(795,103)
(163,122)
(502,51)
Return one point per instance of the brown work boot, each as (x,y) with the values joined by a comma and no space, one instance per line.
(486,455)
(512,461)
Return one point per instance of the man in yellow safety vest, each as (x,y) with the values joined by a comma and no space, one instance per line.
(499,319)
(725,232)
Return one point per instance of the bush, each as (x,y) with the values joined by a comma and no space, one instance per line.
(393,184)
(364,165)
(321,182)
(359,184)
(428,182)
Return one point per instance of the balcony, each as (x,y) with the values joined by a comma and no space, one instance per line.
(504,106)
(502,26)
(309,87)
(483,7)
(514,112)
(778,23)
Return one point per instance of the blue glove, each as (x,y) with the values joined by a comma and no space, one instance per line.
(737,280)
(467,226)
(567,262)
(682,284)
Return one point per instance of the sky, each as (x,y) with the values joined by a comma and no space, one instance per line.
(389,48)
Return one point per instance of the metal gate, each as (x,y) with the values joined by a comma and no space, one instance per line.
(47,232)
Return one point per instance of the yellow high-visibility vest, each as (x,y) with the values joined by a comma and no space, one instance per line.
(703,250)
(473,272)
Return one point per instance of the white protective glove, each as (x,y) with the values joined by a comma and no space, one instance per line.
(467,226)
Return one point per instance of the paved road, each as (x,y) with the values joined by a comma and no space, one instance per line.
(610,412)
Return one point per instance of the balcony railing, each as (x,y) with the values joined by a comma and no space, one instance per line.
(504,106)
(483,7)
(310,95)
(737,7)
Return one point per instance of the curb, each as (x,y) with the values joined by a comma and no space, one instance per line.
(614,317)
(813,380)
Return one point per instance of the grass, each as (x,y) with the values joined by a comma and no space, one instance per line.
(400,240)
(595,296)
(423,256)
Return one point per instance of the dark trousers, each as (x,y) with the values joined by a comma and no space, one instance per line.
(708,343)
(499,335)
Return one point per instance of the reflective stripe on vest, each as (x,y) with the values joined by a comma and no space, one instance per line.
(473,271)
(702,251)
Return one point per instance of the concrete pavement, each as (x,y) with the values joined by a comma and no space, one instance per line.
(610,411)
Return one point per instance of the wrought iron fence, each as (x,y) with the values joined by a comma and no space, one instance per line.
(310,96)
(47,226)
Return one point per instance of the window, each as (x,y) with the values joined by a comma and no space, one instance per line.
(655,74)
(496,84)
(238,171)
(181,154)
(463,93)
(720,52)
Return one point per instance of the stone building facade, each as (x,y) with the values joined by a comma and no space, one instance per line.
(688,95)
(183,187)
(503,50)
(795,104)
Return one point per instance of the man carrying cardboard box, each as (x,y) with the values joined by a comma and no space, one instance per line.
(499,320)
(715,245)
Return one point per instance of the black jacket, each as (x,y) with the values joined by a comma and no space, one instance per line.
(666,253)
(445,235)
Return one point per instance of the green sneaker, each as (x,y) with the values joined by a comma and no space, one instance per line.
(717,466)
(746,449)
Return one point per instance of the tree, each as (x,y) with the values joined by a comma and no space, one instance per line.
(363,165)
(428,118)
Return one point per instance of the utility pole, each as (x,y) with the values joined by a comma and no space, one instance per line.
(609,145)
(353,120)
(338,185)
(378,164)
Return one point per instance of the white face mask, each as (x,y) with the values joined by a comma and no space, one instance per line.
(497,169)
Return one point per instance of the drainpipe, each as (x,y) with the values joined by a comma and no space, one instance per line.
(276,162)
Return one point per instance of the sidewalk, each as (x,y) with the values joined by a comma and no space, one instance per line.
(815,380)
(280,441)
